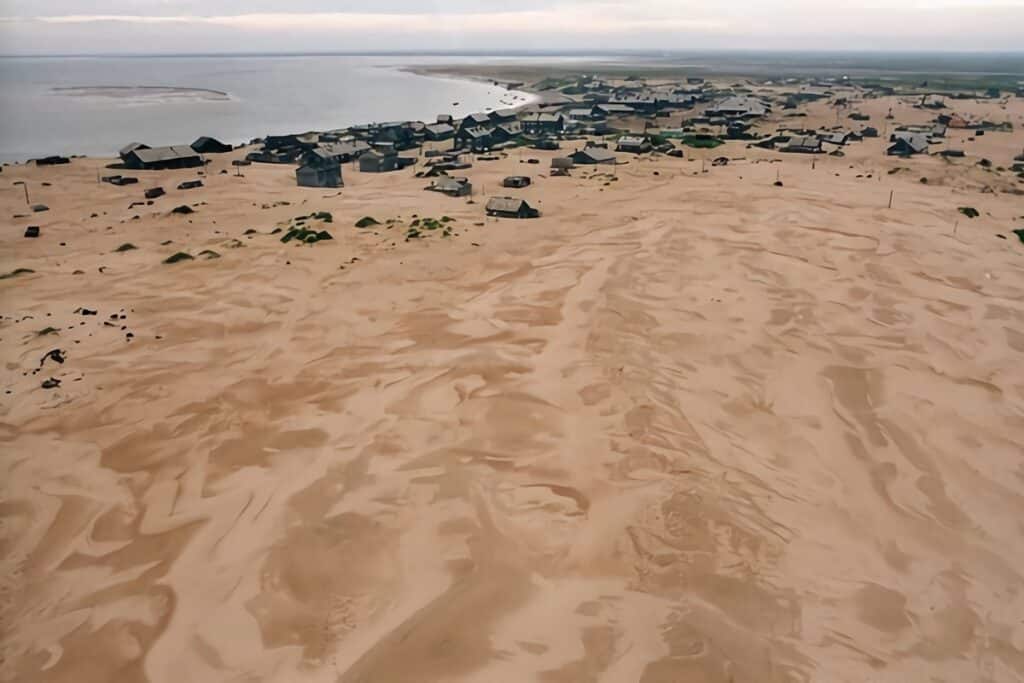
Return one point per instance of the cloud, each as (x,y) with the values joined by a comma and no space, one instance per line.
(345,25)
(593,19)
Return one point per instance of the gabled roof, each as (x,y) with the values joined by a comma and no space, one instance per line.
(918,142)
(597,154)
(506,204)
(478,118)
(746,105)
(448,184)
(503,114)
(157,154)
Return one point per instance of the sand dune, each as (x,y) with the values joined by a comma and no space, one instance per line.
(684,427)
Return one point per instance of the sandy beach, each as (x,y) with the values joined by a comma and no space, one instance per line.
(684,427)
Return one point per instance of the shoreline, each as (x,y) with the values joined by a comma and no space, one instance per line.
(229,97)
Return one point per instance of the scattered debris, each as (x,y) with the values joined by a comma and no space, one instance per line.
(85,311)
(45,331)
(32,231)
(154,192)
(190,184)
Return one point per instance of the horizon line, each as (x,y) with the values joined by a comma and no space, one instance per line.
(588,52)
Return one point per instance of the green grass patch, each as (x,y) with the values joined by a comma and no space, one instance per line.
(324,216)
(305,235)
(701,141)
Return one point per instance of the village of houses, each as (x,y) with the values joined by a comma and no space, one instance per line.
(608,122)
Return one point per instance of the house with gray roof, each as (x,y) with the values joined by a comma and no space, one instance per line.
(510,207)
(907,144)
(738,108)
(593,155)
(156,158)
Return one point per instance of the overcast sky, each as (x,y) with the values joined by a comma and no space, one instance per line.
(155,26)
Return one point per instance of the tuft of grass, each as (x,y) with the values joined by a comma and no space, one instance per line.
(45,331)
(180,256)
(251,231)
(183,209)
(209,254)
(324,216)
(969,211)
(366,222)
(127,246)
(16,272)
(306,235)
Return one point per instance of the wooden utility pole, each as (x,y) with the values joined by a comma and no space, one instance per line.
(891,194)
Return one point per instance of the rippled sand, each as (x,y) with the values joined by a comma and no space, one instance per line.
(684,428)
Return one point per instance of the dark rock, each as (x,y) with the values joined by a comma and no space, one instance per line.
(51,383)
(32,231)
(154,192)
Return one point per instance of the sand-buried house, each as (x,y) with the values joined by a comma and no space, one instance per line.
(907,144)
(326,173)
(157,158)
(593,155)
(510,207)
(452,186)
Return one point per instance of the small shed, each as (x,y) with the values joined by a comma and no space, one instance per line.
(375,161)
(562,163)
(325,174)
(516,181)
(208,145)
(510,207)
